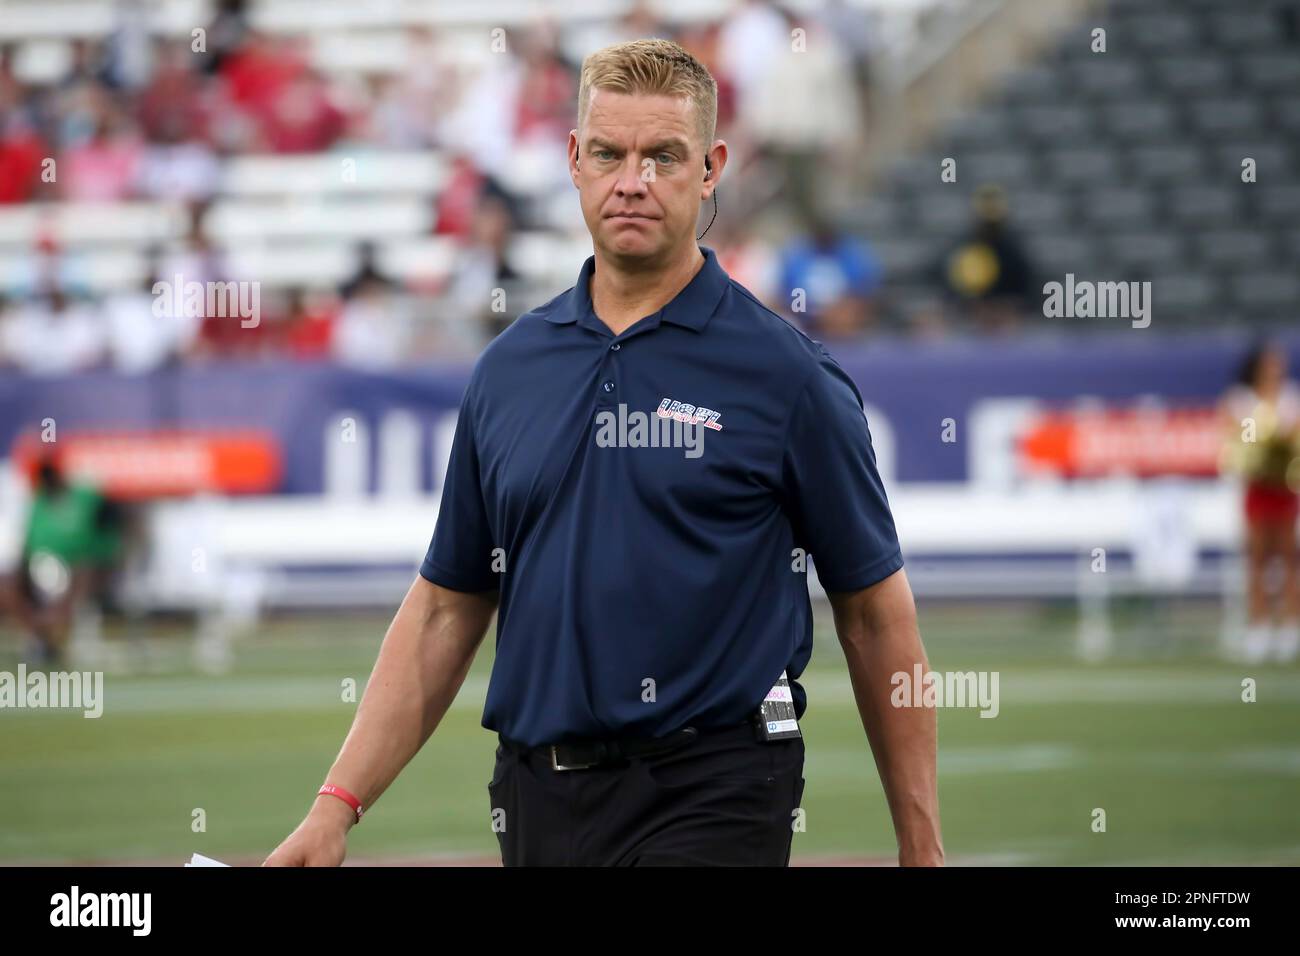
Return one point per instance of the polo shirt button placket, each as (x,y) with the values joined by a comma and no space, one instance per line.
(606,387)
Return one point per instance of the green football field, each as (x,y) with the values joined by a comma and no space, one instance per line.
(1158,738)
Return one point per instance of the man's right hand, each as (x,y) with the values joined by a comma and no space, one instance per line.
(422,663)
(320,840)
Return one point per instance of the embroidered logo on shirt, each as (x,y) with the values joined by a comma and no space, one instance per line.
(689,414)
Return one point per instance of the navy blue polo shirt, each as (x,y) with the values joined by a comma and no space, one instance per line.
(646,586)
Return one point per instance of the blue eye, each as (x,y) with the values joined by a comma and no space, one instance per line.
(604,154)
(665,158)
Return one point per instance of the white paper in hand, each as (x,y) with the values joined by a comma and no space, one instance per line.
(198,859)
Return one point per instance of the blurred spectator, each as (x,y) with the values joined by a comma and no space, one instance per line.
(80,100)
(483,279)
(73,540)
(182,170)
(21,154)
(257,72)
(302,117)
(804,112)
(546,112)
(416,98)
(144,330)
(454,208)
(703,41)
(196,260)
(391,121)
(483,122)
(11,91)
(45,267)
(838,277)
(854,28)
(373,330)
(173,106)
(52,335)
(309,332)
(226,33)
(178,163)
(87,67)
(193,258)
(128,53)
(753,37)
(987,272)
(225,336)
(367,272)
(748,259)
(106,168)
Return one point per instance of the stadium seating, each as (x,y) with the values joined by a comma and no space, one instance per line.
(1141,151)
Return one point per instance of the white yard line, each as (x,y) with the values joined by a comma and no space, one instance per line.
(261,693)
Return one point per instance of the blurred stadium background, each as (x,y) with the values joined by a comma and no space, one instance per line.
(388,180)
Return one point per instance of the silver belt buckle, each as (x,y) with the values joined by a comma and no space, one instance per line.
(556,765)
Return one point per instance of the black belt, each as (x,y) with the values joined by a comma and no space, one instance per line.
(582,754)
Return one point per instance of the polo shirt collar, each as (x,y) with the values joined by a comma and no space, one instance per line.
(691,308)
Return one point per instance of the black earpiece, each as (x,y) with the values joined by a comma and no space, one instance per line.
(708,174)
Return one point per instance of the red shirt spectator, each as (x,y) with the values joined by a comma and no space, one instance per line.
(302,118)
(21,153)
(103,169)
(459,199)
(310,330)
(226,336)
(546,100)
(259,72)
(173,108)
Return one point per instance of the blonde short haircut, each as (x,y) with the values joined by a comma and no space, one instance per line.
(656,67)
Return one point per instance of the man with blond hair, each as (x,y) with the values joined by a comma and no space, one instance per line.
(641,468)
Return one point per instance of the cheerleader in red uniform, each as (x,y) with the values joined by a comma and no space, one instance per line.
(1262,413)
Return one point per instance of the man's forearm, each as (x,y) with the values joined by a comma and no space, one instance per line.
(420,668)
(879,634)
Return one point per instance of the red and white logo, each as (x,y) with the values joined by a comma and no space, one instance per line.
(689,414)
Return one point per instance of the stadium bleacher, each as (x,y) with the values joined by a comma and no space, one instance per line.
(1128,163)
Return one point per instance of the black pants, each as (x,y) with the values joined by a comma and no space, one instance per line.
(727,799)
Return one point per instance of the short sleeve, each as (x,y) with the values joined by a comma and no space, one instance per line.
(460,554)
(832,491)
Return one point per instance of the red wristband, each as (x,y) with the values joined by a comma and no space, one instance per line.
(334,790)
